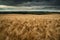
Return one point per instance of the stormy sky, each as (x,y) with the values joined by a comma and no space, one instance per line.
(30,5)
(30,2)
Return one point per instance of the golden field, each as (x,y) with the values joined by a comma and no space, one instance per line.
(29,27)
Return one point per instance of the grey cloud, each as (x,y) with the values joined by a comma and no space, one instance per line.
(32,2)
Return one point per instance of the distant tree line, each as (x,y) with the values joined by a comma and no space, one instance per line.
(37,13)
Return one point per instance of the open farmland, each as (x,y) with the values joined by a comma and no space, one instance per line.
(29,27)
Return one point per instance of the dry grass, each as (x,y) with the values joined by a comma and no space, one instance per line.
(29,27)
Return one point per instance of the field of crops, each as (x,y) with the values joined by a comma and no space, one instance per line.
(29,27)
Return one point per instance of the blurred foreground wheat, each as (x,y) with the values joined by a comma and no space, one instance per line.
(29,27)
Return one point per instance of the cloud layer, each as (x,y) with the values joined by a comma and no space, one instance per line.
(31,2)
(30,5)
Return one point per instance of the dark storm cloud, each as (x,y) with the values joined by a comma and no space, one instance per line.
(34,2)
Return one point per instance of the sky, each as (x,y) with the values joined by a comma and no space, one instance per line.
(29,4)
(37,2)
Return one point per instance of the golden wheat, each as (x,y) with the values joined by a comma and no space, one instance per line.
(29,27)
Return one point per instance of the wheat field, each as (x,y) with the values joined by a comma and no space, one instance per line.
(29,27)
